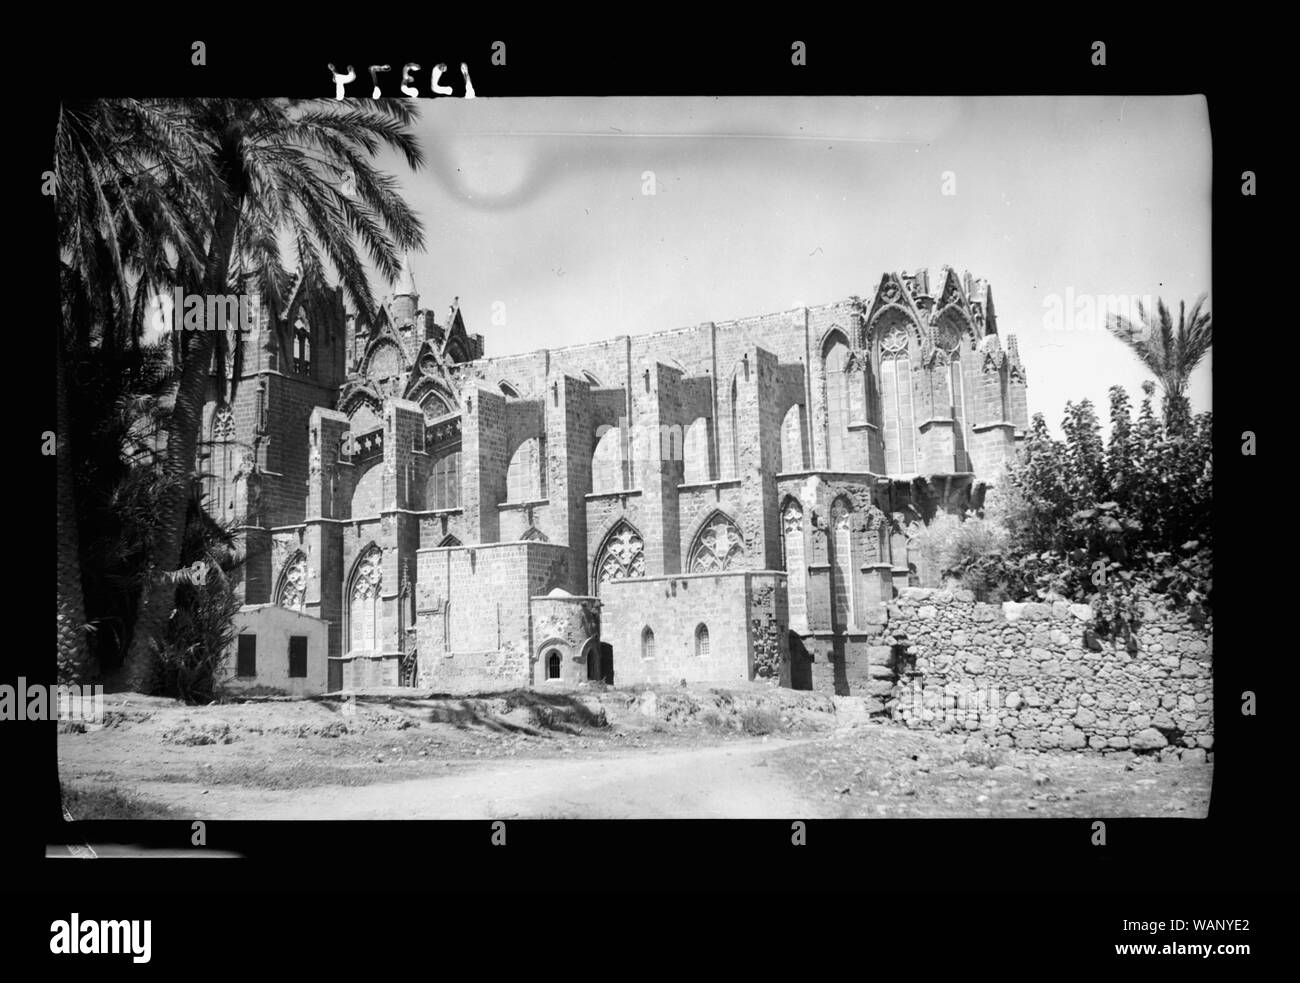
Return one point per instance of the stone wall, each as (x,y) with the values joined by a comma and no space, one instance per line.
(743,613)
(1032,676)
(474,672)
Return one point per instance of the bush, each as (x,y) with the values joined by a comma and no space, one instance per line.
(201,631)
(712,720)
(191,660)
(1110,525)
(955,550)
(758,722)
(190,653)
(982,755)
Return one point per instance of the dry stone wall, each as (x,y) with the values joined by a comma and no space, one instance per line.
(1032,675)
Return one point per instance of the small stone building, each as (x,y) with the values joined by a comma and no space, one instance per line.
(745,491)
(277,650)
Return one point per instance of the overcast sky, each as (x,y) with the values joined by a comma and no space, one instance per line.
(769,204)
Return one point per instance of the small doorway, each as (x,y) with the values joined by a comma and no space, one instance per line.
(607,663)
(553,664)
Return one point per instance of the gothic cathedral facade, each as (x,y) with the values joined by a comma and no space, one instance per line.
(717,503)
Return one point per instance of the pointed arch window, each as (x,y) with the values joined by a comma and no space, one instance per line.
(735,433)
(960,425)
(364,618)
(524,475)
(223,460)
(792,445)
(696,444)
(292,592)
(647,643)
(896,403)
(301,347)
(796,566)
(607,462)
(702,642)
(622,557)
(842,563)
(443,489)
(835,354)
(719,546)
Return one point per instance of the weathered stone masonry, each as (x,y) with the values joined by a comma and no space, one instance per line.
(1026,675)
(730,501)
(458,520)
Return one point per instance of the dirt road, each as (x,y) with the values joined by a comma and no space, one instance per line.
(760,752)
(732,781)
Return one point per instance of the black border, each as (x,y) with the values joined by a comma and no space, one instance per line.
(898,863)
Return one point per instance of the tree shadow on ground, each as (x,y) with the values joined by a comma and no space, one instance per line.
(838,657)
(554,712)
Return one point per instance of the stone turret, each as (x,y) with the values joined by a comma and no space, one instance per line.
(407,300)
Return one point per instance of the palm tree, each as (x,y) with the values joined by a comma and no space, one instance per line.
(276,166)
(119,171)
(1169,352)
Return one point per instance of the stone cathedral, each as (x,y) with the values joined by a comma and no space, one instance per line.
(716,503)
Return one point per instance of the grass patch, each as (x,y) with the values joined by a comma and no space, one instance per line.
(299,775)
(757,722)
(89,803)
(713,720)
(982,756)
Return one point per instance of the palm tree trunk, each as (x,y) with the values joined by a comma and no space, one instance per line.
(158,595)
(73,653)
(183,431)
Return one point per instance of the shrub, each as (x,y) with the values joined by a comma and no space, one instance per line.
(982,755)
(758,722)
(1108,525)
(955,550)
(201,631)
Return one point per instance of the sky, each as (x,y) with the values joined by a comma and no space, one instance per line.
(768,204)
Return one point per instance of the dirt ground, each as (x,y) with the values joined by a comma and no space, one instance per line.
(747,752)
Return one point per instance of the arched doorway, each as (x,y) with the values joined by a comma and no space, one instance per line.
(607,663)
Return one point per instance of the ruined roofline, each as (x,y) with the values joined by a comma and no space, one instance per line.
(973,287)
(666,333)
